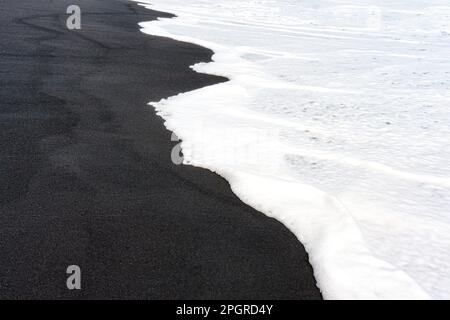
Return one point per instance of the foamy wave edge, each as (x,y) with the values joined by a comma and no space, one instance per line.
(343,265)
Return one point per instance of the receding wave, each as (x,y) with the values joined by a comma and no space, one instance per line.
(335,122)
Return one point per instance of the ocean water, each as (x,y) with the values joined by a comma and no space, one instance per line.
(335,121)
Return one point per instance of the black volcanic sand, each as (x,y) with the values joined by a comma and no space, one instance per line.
(86,176)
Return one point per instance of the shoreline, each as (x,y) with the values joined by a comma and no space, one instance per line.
(87,177)
(322,185)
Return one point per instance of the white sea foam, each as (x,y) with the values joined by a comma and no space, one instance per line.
(335,122)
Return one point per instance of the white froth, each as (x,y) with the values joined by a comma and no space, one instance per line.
(335,121)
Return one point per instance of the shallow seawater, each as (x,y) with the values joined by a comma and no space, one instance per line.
(336,122)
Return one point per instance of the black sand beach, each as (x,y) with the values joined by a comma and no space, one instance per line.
(86,176)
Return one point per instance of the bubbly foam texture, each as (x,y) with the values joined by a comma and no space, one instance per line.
(335,121)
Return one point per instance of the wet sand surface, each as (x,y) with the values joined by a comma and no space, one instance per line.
(86,176)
